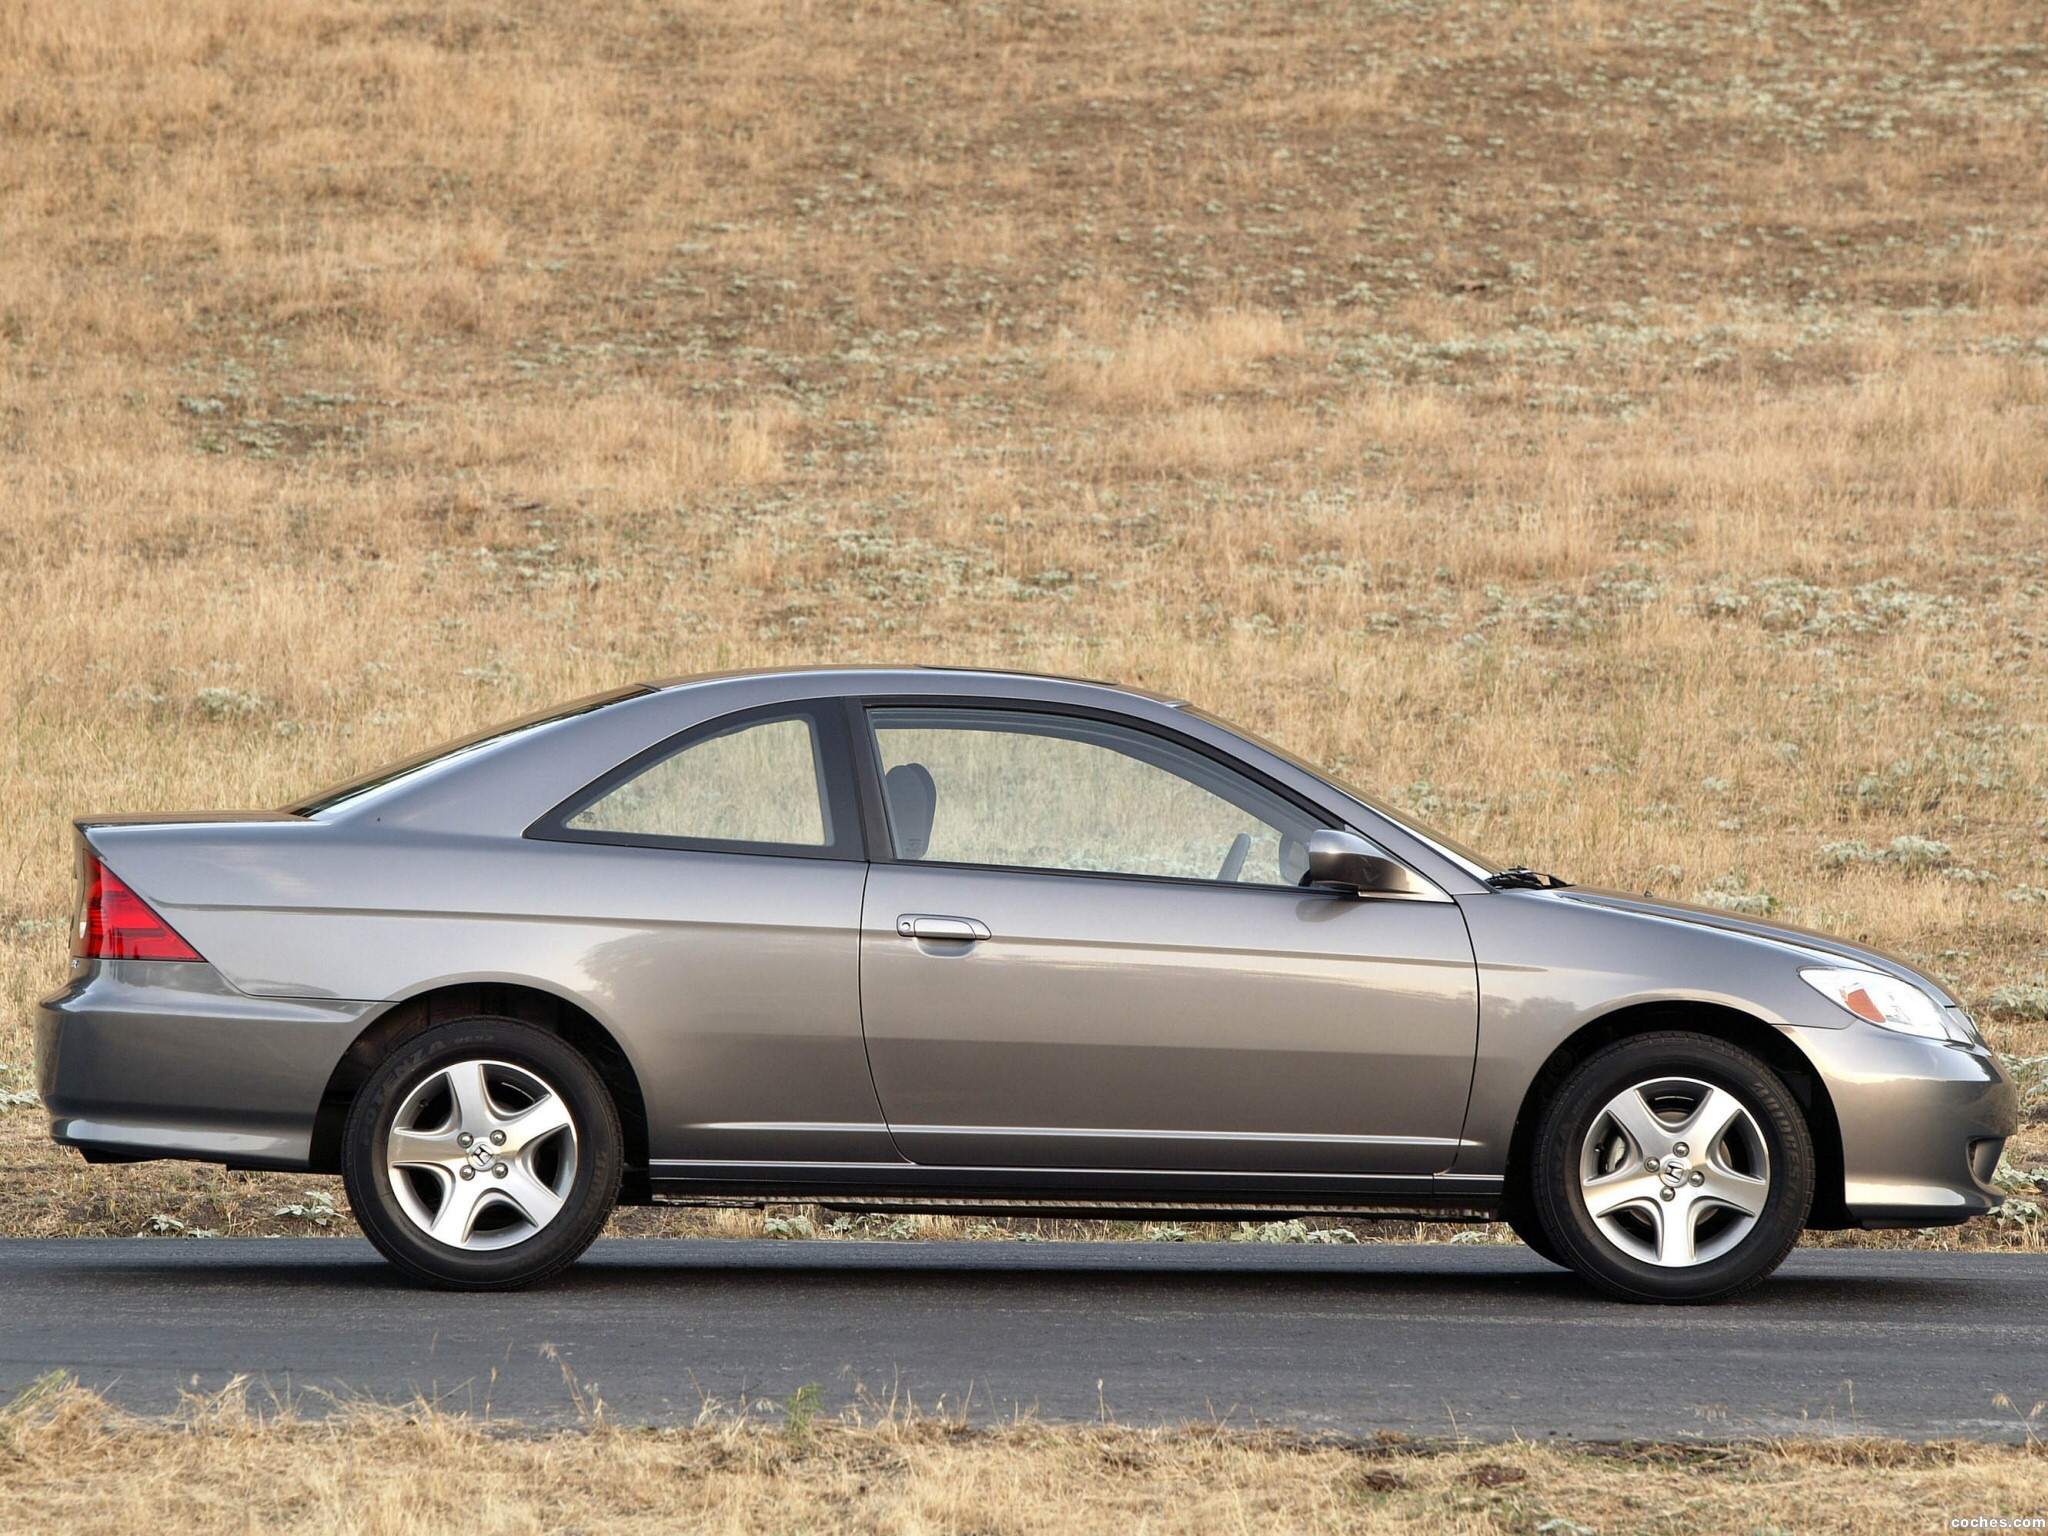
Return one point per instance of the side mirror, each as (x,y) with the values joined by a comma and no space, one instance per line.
(1348,862)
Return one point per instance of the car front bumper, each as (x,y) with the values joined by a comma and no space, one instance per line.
(140,1059)
(1923,1124)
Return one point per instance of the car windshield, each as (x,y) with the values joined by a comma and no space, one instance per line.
(378,778)
(1470,860)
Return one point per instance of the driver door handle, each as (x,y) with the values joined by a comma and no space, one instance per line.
(926,925)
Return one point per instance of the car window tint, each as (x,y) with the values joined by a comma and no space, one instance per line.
(1031,791)
(761,783)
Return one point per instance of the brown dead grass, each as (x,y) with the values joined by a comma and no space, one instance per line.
(71,1463)
(1615,432)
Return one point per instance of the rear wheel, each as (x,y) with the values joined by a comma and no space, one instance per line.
(1673,1167)
(482,1154)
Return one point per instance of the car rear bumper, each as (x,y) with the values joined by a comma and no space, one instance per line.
(1923,1124)
(141,1059)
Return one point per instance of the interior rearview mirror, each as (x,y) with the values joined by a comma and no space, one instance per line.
(1348,862)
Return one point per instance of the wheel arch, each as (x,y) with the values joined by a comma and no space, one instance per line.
(512,1000)
(1741,1029)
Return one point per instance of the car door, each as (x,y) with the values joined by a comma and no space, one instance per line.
(1086,947)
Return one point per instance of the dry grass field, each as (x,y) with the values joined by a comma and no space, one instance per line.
(69,1463)
(1617,432)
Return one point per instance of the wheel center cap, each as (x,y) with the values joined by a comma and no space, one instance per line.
(482,1155)
(1675,1171)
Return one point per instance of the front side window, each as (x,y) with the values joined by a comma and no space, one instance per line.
(1019,789)
(761,783)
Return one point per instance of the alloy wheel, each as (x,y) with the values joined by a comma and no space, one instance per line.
(1674,1172)
(481,1154)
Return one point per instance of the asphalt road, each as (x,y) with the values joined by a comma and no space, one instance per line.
(1432,1341)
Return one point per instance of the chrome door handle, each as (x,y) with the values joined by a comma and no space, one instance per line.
(924,925)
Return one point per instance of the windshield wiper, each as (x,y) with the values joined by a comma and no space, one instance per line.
(1523,878)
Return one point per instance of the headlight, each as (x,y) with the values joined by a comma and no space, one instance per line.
(1887,1002)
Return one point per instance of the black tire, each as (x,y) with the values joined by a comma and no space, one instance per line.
(588,1174)
(1774,1131)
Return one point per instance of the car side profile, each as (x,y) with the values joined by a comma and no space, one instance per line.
(931,940)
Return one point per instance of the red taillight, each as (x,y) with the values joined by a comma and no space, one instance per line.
(116,924)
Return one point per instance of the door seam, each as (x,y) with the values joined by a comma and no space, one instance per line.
(860,989)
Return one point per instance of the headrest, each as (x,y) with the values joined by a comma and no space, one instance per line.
(913,799)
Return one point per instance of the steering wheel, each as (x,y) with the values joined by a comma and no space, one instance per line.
(1233,861)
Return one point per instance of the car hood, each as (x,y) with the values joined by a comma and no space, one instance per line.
(1800,940)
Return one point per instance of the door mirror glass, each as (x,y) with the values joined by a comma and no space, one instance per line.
(1346,861)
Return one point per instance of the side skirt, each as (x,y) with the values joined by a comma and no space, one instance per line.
(1108,1195)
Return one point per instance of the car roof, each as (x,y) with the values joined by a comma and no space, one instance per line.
(849,678)
(504,778)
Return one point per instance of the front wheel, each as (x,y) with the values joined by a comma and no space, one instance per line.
(1673,1167)
(482,1154)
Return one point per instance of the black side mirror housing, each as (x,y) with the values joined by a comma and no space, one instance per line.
(1347,862)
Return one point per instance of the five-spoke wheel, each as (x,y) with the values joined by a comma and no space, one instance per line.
(1674,1171)
(482,1153)
(1672,1167)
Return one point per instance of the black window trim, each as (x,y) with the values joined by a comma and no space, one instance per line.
(842,806)
(882,848)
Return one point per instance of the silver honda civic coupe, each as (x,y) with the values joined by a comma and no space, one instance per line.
(929,940)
